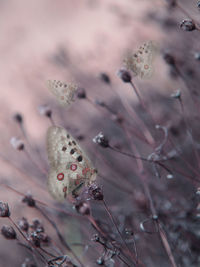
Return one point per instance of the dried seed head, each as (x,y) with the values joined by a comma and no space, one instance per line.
(4,210)
(8,232)
(35,239)
(37,226)
(81,93)
(82,208)
(105,78)
(188,25)
(17,143)
(95,192)
(124,75)
(96,238)
(28,199)
(23,224)
(18,118)
(45,239)
(101,140)
(45,111)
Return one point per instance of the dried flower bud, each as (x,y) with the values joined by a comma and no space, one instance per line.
(35,239)
(4,210)
(18,118)
(101,140)
(8,232)
(176,94)
(83,208)
(45,111)
(23,224)
(124,75)
(169,59)
(105,78)
(37,226)
(45,239)
(28,199)
(96,238)
(188,25)
(16,143)
(95,192)
(81,93)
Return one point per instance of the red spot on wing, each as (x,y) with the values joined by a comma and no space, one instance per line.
(65,189)
(73,167)
(60,176)
(84,171)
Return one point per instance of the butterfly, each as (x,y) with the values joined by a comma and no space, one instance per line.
(141,62)
(70,168)
(62,91)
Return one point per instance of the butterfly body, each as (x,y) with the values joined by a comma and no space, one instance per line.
(70,168)
(62,91)
(141,62)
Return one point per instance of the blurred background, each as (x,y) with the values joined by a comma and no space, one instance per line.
(77,41)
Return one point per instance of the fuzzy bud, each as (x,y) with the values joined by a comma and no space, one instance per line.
(81,93)
(35,239)
(8,232)
(124,75)
(95,192)
(17,144)
(45,111)
(37,226)
(83,208)
(188,25)
(101,140)
(23,224)
(28,199)
(4,210)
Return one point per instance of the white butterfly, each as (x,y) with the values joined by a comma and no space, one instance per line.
(141,62)
(62,91)
(70,168)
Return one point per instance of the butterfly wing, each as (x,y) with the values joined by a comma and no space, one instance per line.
(70,167)
(62,91)
(141,62)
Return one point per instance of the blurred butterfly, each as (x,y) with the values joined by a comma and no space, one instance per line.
(141,62)
(62,91)
(70,168)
